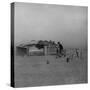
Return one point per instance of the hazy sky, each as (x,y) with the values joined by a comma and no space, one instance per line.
(51,22)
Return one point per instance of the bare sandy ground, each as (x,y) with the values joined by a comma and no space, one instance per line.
(34,70)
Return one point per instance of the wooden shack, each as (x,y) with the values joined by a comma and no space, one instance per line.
(38,48)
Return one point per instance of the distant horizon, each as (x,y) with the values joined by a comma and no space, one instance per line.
(25,42)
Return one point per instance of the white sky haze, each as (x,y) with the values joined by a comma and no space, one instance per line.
(51,22)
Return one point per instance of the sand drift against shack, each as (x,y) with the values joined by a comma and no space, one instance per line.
(45,48)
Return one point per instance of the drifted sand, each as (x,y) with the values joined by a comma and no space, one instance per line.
(34,70)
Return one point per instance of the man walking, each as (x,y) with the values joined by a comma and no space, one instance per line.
(59,49)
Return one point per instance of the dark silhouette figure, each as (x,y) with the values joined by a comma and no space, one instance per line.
(77,53)
(48,62)
(59,49)
(67,60)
